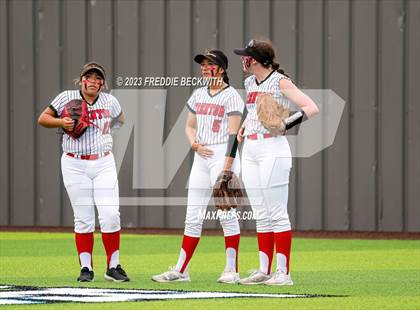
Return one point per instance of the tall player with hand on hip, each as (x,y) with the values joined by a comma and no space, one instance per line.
(266,160)
(88,166)
(213,121)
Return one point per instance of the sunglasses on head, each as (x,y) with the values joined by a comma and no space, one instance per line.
(251,44)
(256,54)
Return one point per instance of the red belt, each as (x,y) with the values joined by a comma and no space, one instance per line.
(88,157)
(254,136)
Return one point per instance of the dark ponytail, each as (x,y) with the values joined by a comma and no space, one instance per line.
(265,55)
(276,67)
(225,77)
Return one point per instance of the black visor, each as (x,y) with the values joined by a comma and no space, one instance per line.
(251,49)
(216,57)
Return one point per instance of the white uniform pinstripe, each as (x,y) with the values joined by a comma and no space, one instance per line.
(212,111)
(269,85)
(97,139)
(91,183)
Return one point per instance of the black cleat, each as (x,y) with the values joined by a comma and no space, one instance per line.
(86,275)
(116,274)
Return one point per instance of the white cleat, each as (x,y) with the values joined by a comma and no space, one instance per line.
(172,276)
(279,278)
(230,277)
(256,277)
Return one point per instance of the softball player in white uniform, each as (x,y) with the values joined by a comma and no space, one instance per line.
(266,161)
(213,122)
(89,172)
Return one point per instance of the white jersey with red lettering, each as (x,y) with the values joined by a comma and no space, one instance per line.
(270,85)
(212,113)
(266,166)
(97,138)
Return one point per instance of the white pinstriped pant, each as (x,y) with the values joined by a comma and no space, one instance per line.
(204,173)
(89,183)
(266,165)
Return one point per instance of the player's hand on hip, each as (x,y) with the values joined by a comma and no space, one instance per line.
(241,134)
(67,123)
(204,152)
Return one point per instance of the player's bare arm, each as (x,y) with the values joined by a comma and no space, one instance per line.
(295,95)
(241,132)
(49,120)
(121,118)
(191,128)
(191,131)
(118,121)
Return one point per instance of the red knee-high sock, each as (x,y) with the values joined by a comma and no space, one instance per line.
(111,243)
(233,243)
(84,244)
(266,246)
(283,246)
(188,247)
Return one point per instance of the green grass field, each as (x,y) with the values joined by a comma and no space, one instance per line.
(369,274)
